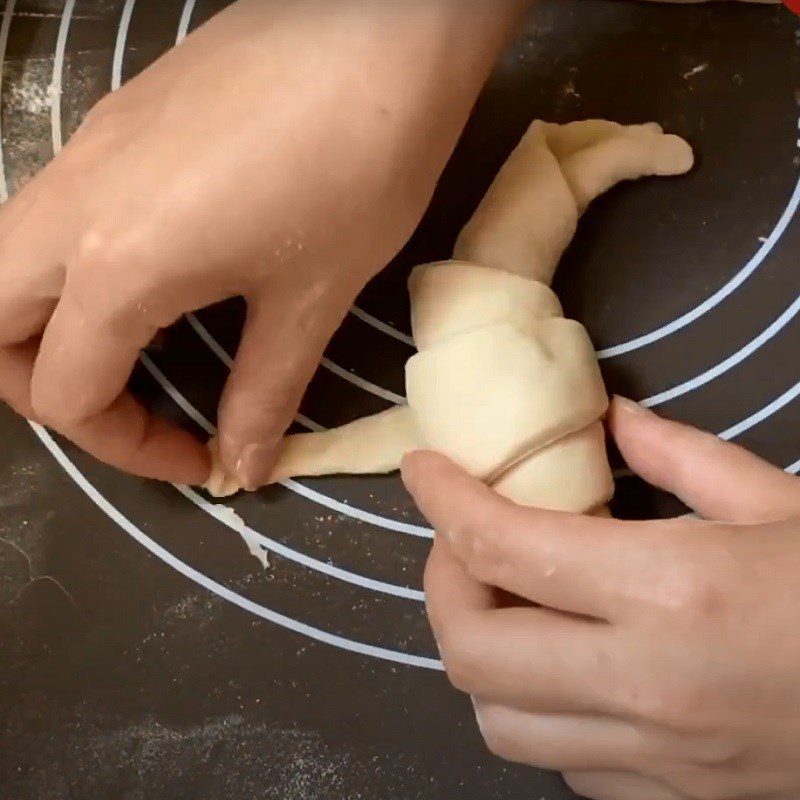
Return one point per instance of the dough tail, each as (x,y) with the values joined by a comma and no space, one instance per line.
(530,214)
(595,170)
(372,445)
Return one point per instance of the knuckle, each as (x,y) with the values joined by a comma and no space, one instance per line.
(676,704)
(108,280)
(18,406)
(715,753)
(499,741)
(245,422)
(701,785)
(99,251)
(487,557)
(581,783)
(52,416)
(460,658)
(694,590)
(429,583)
(103,118)
(52,412)
(701,599)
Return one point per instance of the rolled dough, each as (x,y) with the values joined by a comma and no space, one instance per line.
(502,383)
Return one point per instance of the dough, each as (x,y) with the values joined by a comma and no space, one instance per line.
(502,383)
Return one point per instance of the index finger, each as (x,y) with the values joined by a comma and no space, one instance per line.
(124,435)
(583,565)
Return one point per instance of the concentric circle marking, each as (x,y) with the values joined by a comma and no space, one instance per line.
(58,74)
(383,327)
(719,296)
(129,527)
(354,512)
(729,363)
(198,577)
(658,399)
(676,324)
(314,564)
(279,619)
(5,27)
(185,20)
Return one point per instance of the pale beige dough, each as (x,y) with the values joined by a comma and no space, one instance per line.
(502,383)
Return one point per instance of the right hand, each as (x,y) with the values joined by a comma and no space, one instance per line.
(284,153)
(648,659)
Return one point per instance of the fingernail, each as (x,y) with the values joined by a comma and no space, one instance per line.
(254,466)
(451,536)
(629,406)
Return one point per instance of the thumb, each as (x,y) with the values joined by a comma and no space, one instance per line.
(719,480)
(282,344)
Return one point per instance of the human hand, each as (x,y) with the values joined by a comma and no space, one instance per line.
(284,153)
(663,662)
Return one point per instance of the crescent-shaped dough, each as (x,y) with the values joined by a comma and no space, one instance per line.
(502,383)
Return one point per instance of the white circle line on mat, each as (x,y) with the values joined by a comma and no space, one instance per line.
(383,327)
(345,509)
(676,324)
(5,28)
(273,546)
(319,498)
(57,83)
(219,351)
(119,46)
(661,397)
(723,293)
(185,20)
(729,363)
(418,530)
(198,577)
(759,416)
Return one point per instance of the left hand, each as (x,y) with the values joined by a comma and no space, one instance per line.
(661,660)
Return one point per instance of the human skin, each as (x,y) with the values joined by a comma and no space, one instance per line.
(661,658)
(284,153)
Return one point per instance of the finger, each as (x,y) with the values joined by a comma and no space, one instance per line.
(736,783)
(582,565)
(27,299)
(719,480)
(31,277)
(617,786)
(122,287)
(123,436)
(282,344)
(528,658)
(16,363)
(562,742)
(449,590)
(85,358)
(537,660)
